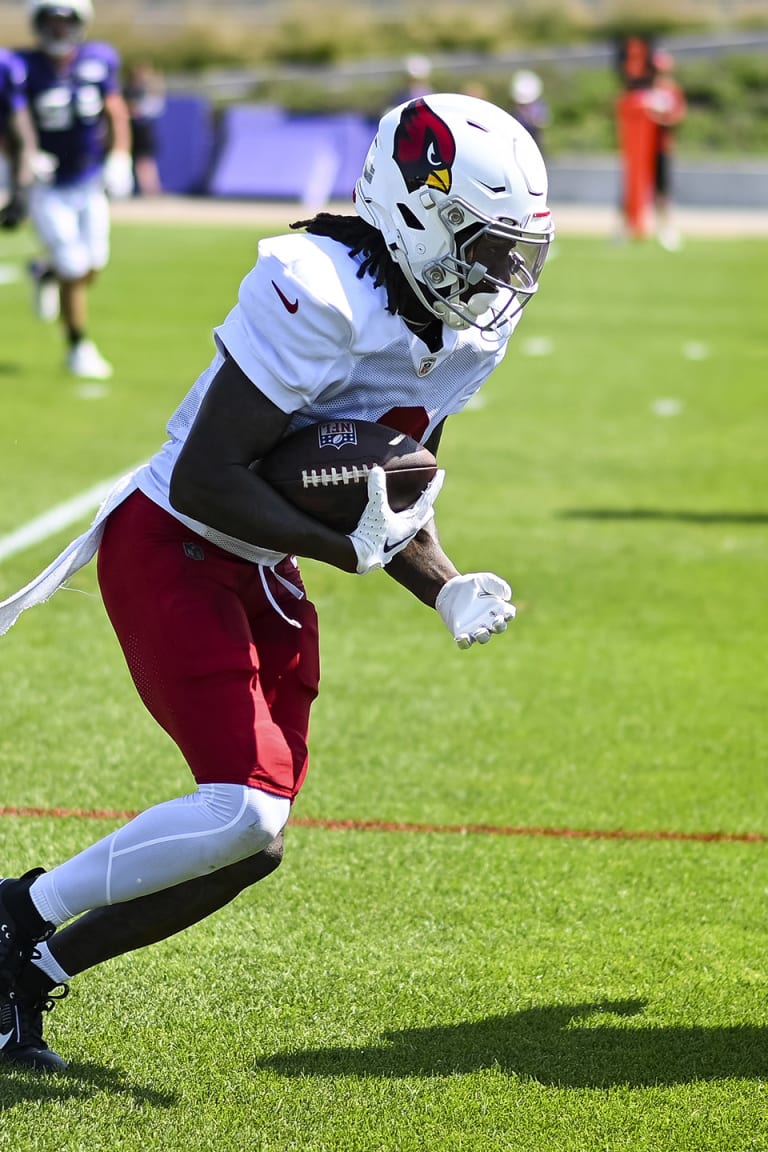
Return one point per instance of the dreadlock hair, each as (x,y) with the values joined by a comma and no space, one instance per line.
(363,239)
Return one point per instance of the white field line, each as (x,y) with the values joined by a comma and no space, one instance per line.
(55,519)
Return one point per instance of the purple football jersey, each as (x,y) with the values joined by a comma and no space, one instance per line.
(12,74)
(67,105)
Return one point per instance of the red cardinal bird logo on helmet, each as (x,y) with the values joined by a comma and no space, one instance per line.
(424,148)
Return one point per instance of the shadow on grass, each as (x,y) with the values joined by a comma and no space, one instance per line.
(568,1045)
(80,1081)
(679,515)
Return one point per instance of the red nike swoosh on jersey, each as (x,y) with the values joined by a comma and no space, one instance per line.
(290,305)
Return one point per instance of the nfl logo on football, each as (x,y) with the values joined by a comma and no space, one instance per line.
(336,433)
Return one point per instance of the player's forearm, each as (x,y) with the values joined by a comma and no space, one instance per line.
(238,503)
(119,123)
(423,567)
(23,141)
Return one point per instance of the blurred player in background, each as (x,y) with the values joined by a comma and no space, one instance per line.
(666,106)
(82,124)
(528,105)
(395,313)
(17,139)
(416,82)
(145,96)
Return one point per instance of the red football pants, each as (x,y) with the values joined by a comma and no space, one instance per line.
(220,670)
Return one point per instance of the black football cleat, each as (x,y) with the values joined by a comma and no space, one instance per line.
(17,945)
(27,1048)
(9,1020)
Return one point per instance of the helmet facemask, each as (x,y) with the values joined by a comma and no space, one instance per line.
(490,273)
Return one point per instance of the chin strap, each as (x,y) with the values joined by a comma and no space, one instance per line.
(450,318)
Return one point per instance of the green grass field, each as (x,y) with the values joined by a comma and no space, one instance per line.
(425,991)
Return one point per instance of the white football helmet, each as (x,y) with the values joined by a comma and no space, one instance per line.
(61,42)
(447,180)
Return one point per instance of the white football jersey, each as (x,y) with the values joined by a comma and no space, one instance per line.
(318,341)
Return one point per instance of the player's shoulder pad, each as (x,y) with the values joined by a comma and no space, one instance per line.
(99,50)
(321,270)
(13,64)
(300,285)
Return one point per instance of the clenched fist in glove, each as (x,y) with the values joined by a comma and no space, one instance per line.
(475,607)
(118,175)
(382,533)
(16,210)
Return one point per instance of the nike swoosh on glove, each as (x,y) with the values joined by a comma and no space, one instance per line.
(382,533)
(475,607)
(118,175)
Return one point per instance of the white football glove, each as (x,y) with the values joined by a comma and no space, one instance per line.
(44,165)
(118,175)
(475,607)
(382,533)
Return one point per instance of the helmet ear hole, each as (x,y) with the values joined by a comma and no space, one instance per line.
(409,218)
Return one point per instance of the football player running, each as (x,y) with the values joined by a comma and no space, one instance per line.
(83,127)
(395,313)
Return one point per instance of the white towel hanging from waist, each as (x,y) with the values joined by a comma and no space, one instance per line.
(74,557)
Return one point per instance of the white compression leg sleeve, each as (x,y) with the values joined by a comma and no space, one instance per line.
(172,842)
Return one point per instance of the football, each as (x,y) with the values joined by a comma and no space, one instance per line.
(323,469)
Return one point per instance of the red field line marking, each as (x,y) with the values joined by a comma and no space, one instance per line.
(441,829)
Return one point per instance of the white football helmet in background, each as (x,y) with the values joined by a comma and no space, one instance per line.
(61,40)
(447,178)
